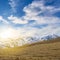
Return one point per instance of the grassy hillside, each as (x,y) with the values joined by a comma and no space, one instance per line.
(45,50)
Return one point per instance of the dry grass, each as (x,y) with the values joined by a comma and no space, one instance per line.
(47,50)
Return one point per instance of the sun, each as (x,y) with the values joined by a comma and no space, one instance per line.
(6,34)
(9,33)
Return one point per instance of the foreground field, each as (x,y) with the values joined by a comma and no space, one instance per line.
(47,50)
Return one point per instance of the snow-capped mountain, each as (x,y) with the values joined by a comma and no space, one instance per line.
(27,40)
(36,38)
(48,37)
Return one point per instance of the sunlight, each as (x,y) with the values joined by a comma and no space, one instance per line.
(7,33)
(8,37)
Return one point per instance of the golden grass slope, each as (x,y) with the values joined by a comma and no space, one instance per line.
(45,50)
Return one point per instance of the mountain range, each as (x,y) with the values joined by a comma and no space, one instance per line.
(26,40)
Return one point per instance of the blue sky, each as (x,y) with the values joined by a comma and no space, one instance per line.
(31,15)
(15,8)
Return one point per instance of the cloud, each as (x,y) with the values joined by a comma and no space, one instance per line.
(41,15)
(13,5)
(38,7)
(3,20)
(22,35)
(39,12)
(17,20)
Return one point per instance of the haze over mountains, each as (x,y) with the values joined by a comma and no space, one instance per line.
(25,40)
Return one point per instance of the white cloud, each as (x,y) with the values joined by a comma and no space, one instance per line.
(46,20)
(13,5)
(38,7)
(33,12)
(20,36)
(0,17)
(3,20)
(17,20)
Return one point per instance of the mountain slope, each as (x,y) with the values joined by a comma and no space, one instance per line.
(45,50)
(25,40)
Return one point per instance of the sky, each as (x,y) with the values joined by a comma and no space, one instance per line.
(30,17)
